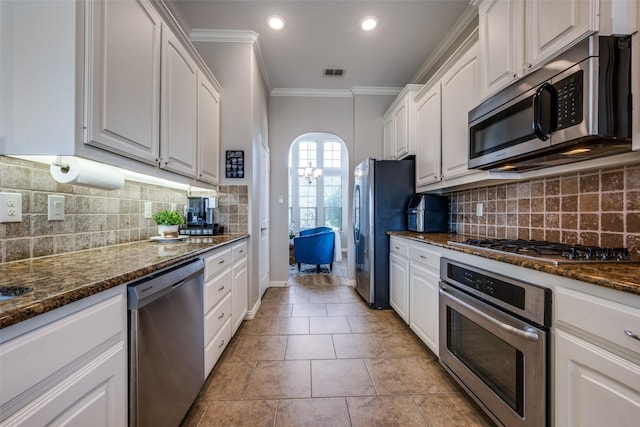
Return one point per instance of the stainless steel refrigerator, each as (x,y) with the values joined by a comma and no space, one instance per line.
(381,193)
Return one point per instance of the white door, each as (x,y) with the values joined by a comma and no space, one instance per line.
(264,219)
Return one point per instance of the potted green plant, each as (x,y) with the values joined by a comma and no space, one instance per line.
(168,222)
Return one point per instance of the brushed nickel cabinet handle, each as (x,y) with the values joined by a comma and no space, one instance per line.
(632,335)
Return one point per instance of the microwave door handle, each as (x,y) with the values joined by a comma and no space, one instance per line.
(545,111)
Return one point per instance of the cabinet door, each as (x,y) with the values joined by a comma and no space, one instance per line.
(208,131)
(552,26)
(399,285)
(428,137)
(239,294)
(178,138)
(123,97)
(401,129)
(388,144)
(501,25)
(93,396)
(423,305)
(594,387)
(459,95)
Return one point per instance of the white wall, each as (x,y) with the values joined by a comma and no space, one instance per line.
(243,125)
(356,120)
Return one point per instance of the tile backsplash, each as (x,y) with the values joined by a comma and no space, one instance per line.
(600,207)
(93,218)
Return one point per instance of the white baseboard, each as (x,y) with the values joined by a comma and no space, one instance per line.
(284,284)
(251,314)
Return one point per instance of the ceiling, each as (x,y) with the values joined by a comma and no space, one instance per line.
(320,34)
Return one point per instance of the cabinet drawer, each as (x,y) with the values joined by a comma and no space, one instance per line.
(214,349)
(216,288)
(214,320)
(399,246)
(239,250)
(429,258)
(216,263)
(35,356)
(605,319)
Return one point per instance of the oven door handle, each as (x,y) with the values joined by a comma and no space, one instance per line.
(530,336)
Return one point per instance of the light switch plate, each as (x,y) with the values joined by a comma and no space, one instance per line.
(479,210)
(10,207)
(55,208)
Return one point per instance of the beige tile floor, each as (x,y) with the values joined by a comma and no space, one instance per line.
(316,355)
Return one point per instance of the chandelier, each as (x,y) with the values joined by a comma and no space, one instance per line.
(309,173)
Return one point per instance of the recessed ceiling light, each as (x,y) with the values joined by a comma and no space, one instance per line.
(275,22)
(369,23)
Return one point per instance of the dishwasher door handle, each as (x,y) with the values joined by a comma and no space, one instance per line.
(158,284)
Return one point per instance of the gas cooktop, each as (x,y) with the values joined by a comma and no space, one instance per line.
(556,253)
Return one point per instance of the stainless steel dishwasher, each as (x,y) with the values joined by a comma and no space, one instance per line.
(166,344)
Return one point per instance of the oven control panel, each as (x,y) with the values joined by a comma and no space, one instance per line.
(496,288)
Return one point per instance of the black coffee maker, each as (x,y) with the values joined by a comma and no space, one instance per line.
(200,211)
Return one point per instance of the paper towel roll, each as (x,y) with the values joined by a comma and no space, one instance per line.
(88,173)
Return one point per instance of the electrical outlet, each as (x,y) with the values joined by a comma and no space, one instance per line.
(10,207)
(55,211)
(147,210)
(479,209)
(173,207)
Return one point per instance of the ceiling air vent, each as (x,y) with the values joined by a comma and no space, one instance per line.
(333,72)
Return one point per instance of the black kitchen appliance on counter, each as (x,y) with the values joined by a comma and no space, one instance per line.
(428,213)
(199,217)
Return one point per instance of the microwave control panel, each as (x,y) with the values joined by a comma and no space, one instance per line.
(569,92)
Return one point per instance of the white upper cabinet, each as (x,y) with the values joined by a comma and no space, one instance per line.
(116,82)
(428,136)
(179,115)
(501,25)
(399,125)
(208,131)
(517,36)
(123,97)
(552,26)
(460,93)
(388,147)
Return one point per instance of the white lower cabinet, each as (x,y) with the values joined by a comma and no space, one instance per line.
(414,273)
(423,294)
(68,366)
(225,299)
(594,387)
(217,305)
(597,364)
(399,276)
(239,289)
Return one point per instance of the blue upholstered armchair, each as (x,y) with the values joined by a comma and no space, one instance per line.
(314,246)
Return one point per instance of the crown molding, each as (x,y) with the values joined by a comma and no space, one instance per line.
(469,15)
(376,90)
(224,36)
(313,93)
(234,36)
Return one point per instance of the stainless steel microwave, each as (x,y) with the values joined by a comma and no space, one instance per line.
(576,107)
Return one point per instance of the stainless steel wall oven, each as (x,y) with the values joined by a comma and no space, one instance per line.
(494,334)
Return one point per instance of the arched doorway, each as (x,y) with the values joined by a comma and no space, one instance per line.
(319,199)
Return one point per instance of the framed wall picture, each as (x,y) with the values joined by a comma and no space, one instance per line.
(234,164)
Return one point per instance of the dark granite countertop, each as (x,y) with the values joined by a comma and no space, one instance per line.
(620,276)
(62,279)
